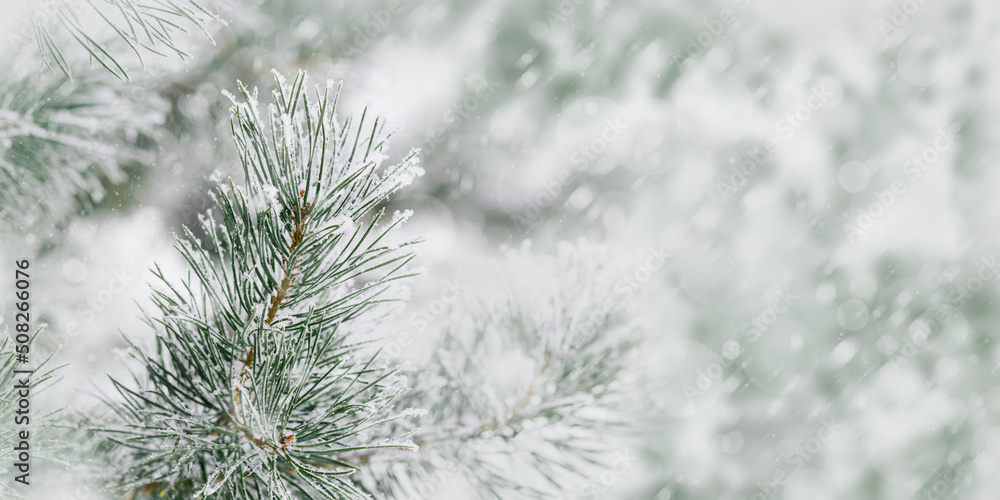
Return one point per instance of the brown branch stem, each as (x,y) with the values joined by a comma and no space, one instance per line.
(289,266)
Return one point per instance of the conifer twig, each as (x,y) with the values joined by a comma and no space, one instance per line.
(253,389)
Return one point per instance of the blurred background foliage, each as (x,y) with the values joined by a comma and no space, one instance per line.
(819,304)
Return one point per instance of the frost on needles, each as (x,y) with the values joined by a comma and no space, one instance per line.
(255,387)
(530,385)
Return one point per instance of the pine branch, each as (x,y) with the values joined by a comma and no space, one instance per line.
(144,26)
(563,418)
(63,138)
(61,141)
(43,427)
(253,389)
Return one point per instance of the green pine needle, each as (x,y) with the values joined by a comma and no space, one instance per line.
(255,388)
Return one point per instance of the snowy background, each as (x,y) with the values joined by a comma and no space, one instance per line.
(799,197)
